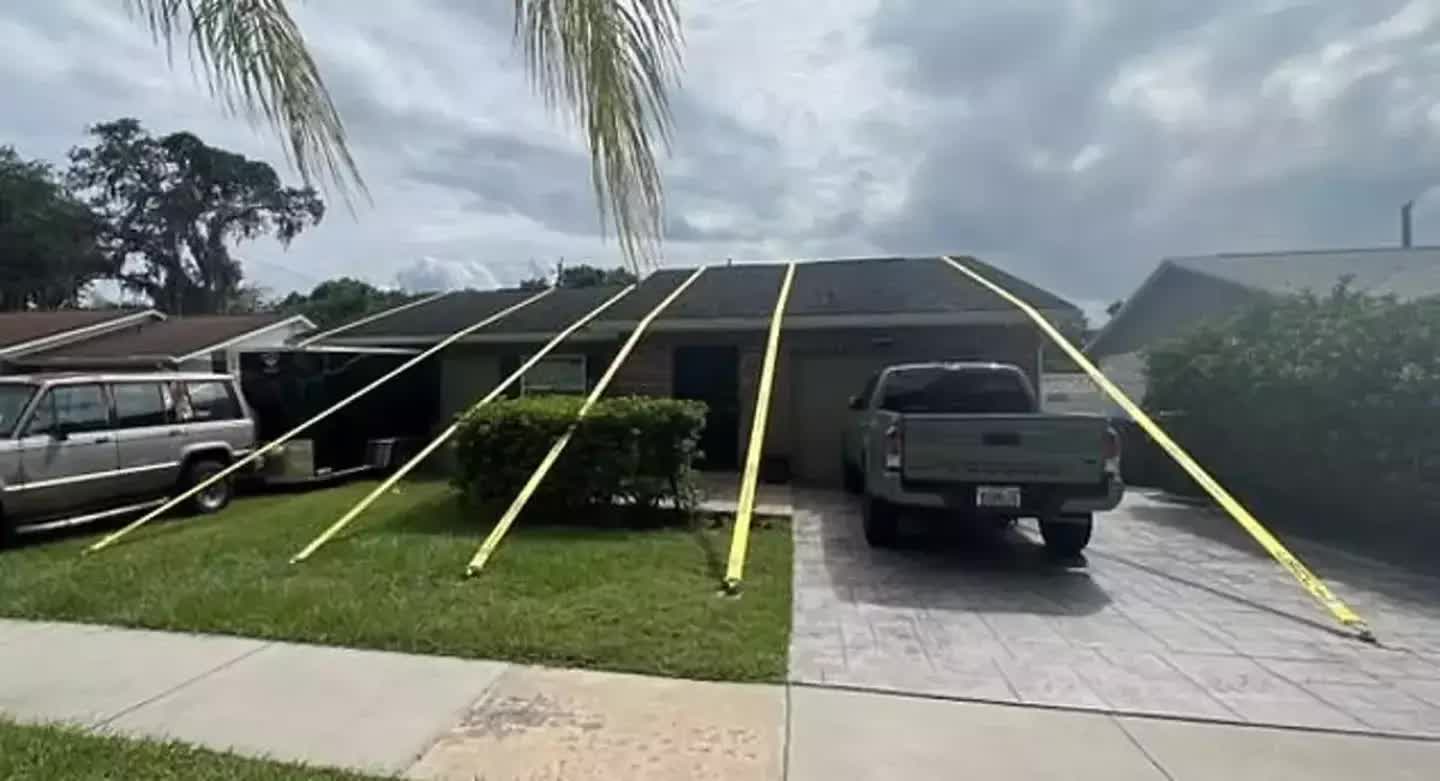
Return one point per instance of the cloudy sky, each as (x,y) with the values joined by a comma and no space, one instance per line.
(1073,141)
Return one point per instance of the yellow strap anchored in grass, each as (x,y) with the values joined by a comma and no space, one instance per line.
(745,507)
(487,548)
(1294,566)
(409,466)
(292,433)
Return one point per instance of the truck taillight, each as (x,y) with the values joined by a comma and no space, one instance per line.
(894,446)
(1111,448)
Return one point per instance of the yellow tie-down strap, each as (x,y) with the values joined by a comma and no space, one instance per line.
(502,526)
(274,444)
(435,444)
(745,507)
(1242,516)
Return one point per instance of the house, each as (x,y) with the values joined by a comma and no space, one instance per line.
(1183,292)
(22,333)
(845,320)
(199,343)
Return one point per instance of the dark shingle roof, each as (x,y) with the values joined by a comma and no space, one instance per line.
(21,327)
(873,286)
(173,338)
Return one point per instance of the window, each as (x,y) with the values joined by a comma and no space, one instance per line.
(139,404)
(73,409)
(556,374)
(211,401)
(943,390)
(13,398)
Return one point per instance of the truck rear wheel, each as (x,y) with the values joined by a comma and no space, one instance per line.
(882,523)
(1066,535)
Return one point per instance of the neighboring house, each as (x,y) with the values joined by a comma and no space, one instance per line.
(200,343)
(22,333)
(1184,292)
(846,319)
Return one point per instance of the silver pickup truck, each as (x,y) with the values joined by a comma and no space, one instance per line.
(80,447)
(969,439)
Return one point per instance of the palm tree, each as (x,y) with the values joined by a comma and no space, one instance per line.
(607,63)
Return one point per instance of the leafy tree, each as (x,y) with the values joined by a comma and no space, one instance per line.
(609,62)
(583,276)
(591,276)
(48,252)
(1312,408)
(338,301)
(173,206)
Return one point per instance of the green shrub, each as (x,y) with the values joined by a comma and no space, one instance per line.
(1321,411)
(627,450)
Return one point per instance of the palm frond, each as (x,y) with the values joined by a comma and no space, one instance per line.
(255,60)
(610,62)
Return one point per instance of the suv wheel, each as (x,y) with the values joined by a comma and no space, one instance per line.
(882,523)
(214,498)
(1066,535)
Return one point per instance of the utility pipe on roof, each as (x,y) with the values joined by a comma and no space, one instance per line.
(409,466)
(502,526)
(259,452)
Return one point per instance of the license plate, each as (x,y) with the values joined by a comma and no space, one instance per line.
(997,496)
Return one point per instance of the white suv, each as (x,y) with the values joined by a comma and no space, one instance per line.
(79,447)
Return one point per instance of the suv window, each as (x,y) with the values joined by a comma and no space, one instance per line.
(139,404)
(74,409)
(212,400)
(13,398)
(944,391)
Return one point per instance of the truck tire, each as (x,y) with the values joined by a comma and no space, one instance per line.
(854,482)
(1066,535)
(212,499)
(882,523)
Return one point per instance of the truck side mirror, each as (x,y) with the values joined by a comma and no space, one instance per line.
(60,432)
(857,403)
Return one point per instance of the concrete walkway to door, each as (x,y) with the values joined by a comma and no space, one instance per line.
(1176,612)
(446,719)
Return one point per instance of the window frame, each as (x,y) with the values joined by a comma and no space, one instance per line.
(167,406)
(527,387)
(237,412)
(47,397)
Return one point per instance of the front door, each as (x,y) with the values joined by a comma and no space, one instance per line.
(712,374)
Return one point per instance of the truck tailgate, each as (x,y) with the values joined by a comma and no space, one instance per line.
(1011,449)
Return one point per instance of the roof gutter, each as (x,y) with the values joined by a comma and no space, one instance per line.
(372,318)
(611,328)
(79,334)
(201,353)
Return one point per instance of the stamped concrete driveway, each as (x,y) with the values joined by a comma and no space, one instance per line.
(1174,612)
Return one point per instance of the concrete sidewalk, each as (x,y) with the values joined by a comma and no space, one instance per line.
(441,718)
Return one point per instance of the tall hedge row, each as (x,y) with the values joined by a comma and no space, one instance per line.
(629,450)
(1323,411)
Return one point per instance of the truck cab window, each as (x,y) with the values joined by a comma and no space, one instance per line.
(948,391)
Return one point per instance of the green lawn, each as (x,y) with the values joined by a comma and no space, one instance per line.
(28,752)
(617,599)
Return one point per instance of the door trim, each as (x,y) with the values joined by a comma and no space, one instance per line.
(91,476)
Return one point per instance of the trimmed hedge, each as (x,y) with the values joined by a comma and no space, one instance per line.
(629,450)
(1323,412)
